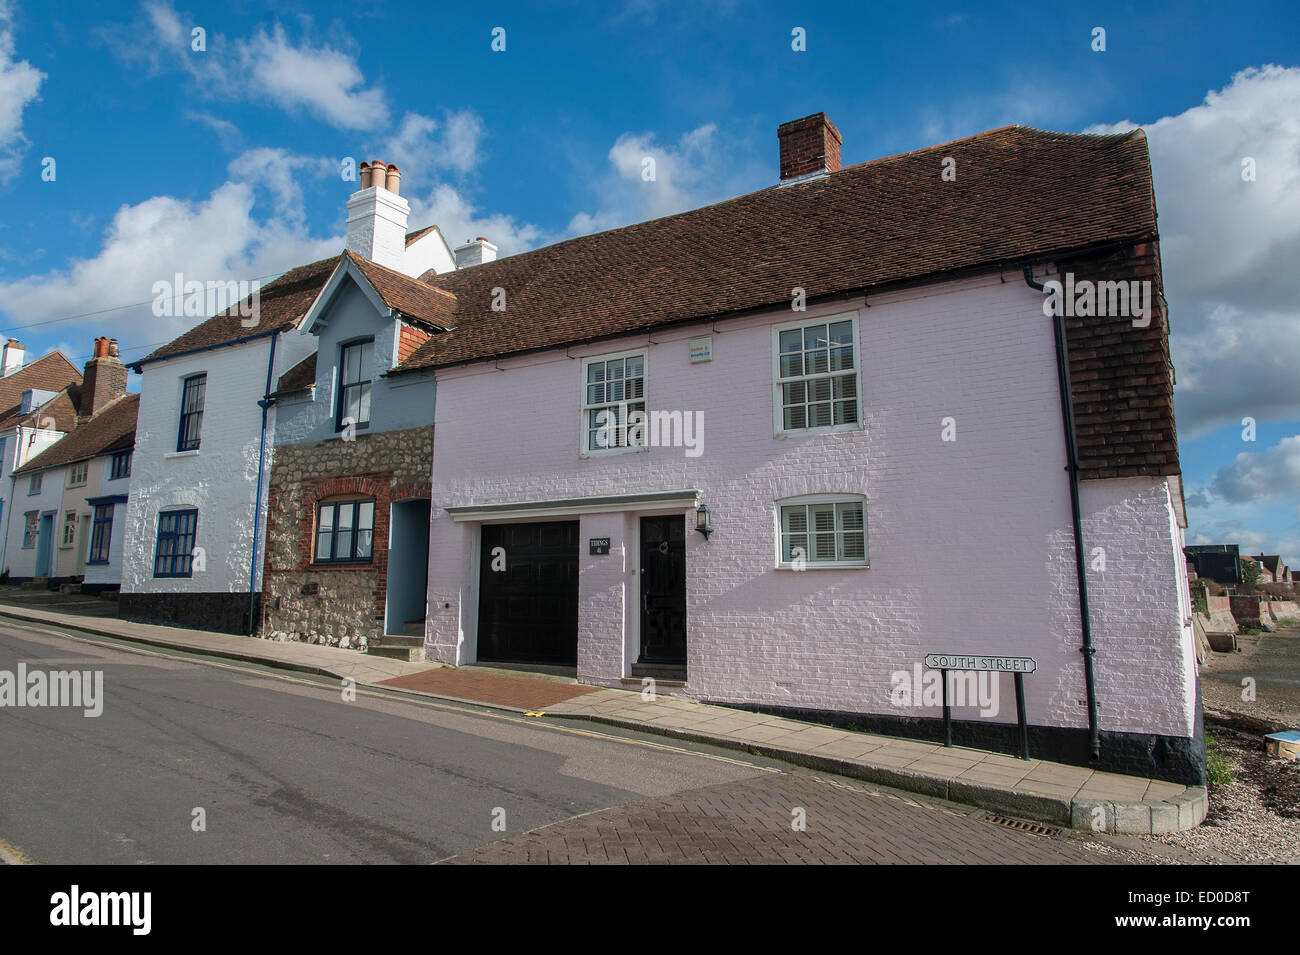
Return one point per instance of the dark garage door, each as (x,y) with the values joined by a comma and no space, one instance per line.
(528,612)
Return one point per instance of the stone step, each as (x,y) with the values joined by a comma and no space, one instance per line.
(414,628)
(409,654)
(660,672)
(401,640)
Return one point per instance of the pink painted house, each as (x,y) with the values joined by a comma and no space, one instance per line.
(713,450)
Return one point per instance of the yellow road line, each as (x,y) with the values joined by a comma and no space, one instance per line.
(10,854)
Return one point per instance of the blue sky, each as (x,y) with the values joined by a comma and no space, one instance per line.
(224,162)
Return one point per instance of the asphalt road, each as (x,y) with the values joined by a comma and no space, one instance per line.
(286,771)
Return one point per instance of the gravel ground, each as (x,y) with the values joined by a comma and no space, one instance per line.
(1255,819)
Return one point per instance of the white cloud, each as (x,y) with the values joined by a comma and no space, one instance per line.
(325,81)
(1229,248)
(459,219)
(1262,475)
(20,82)
(693,172)
(422,145)
(1252,502)
(267,67)
(227,132)
(278,171)
(214,239)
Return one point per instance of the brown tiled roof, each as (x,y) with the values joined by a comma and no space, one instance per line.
(51,372)
(111,429)
(298,378)
(418,234)
(281,304)
(1020,194)
(411,297)
(58,413)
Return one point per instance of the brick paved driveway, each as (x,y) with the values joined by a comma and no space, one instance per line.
(490,687)
(751,822)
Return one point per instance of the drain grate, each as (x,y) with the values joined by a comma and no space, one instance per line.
(1021,825)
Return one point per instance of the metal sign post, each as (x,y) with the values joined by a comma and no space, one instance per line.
(1019,666)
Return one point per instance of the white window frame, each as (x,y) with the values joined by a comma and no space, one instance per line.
(81,468)
(808,562)
(778,418)
(583,450)
(69,524)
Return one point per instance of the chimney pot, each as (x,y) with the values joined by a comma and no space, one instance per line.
(377,216)
(809,145)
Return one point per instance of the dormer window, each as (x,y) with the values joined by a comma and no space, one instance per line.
(356,361)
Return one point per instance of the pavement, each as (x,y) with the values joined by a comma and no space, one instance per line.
(1053,793)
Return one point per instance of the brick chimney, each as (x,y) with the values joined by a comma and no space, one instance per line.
(13,357)
(377,216)
(808,146)
(104,379)
(475,253)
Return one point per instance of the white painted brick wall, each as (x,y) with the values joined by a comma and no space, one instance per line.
(970,542)
(220,480)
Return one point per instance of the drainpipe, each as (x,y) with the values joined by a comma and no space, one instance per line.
(1080,554)
(265,404)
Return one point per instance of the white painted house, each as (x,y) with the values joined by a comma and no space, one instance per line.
(37,408)
(196,522)
(849,375)
(70,498)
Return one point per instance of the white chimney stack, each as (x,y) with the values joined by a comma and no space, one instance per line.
(13,356)
(377,216)
(475,253)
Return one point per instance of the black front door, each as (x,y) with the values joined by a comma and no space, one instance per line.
(528,593)
(663,589)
